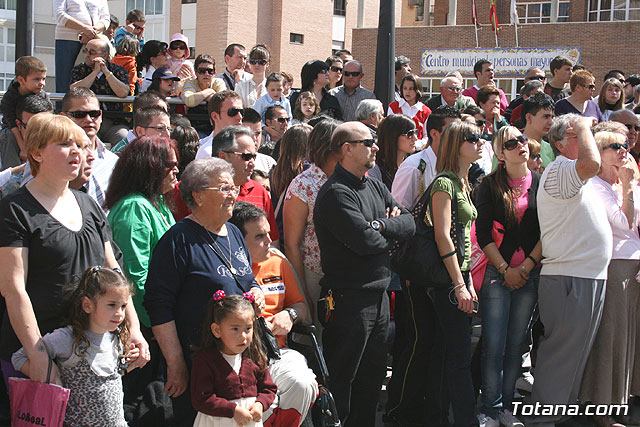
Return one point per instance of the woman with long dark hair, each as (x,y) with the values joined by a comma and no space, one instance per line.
(153,55)
(506,201)
(315,78)
(397,137)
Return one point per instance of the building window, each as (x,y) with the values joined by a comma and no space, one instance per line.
(614,10)
(340,7)
(8,4)
(420,11)
(7,45)
(189,1)
(149,7)
(539,12)
(296,38)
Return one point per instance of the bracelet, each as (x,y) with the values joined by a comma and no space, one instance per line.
(445,256)
(533,260)
(628,198)
(501,265)
(458,286)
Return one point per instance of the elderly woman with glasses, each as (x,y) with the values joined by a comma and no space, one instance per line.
(507,207)
(610,371)
(580,102)
(198,256)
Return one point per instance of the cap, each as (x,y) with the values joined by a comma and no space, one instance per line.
(164,73)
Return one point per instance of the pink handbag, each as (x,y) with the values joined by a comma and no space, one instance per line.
(478,259)
(37,404)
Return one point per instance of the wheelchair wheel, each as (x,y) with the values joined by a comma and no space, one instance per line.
(324,411)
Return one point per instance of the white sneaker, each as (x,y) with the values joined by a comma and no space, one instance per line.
(485,421)
(507,419)
(525,382)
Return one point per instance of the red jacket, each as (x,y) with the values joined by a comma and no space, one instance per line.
(420,118)
(214,384)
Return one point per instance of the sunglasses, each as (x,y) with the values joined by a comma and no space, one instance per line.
(632,127)
(541,78)
(178,47)
(172,165)
(225,189)
(410,134)
(283,119)
(472,138)
(82,114)
(138,27)
(209,71)
(453,89)
(244,156)
(163,52)
(591,87)
(366,142)
(233,111)
(512,143)
(535,157)
(335,69)
(481,123)
(352,73)
(22,124)
(617,146)
(258,61)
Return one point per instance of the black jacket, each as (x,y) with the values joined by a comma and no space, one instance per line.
(353,254)
(526,235)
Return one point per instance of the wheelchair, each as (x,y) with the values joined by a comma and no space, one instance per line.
(324,412)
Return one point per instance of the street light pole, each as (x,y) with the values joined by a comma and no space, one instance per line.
(24,26)
(385,53)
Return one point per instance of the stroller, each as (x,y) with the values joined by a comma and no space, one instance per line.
(324,412)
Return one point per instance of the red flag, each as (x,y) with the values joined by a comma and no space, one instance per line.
(493,17)
(474,14)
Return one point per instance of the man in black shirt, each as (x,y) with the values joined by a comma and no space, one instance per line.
(356,222)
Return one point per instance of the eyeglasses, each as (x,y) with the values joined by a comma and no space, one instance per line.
(410,134)
(323,71)
(481,123)
(352,73)
(535,157)
(226,189)
(632,127)
(617,146)
(335,69)
(512,143)
(233,111)
(258,61)
(244,156)
(472,138)
(454,89)
(209,71)
(178,47)
(541,78)
(159,128)
(92,52)
(591,87)
(623,81)
(366,142)
(82,114)
(283,119)
(22,124)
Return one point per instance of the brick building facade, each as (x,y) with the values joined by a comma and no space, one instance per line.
(604,45)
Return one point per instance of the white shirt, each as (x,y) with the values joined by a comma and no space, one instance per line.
(406,188)
(408,110)
(249,91)
(148,78)
(204,152)
(89,12)
(101,170)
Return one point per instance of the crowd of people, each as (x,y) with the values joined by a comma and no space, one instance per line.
(150,249)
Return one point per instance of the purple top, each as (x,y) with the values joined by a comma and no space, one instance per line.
(563,106)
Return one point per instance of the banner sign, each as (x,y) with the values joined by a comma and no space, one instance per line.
(506,61)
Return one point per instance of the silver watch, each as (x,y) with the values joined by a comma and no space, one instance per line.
(292,313)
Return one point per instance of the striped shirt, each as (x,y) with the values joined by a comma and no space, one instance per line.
(563,181)
(349,101)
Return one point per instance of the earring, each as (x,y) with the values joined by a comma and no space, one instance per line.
(200,204)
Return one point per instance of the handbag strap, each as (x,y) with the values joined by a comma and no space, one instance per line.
(49,367)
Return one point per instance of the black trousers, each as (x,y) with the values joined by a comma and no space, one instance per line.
(355,353)
(417,391)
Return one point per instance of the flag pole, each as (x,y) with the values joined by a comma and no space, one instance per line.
(496,34)
(516,26)
(476,28)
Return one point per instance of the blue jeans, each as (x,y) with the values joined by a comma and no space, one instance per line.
(66,53)
(506,315)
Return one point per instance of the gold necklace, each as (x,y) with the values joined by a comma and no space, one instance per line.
(230,266)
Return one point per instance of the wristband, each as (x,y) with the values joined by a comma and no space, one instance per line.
(445,256)
(533,260)
(501,265)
